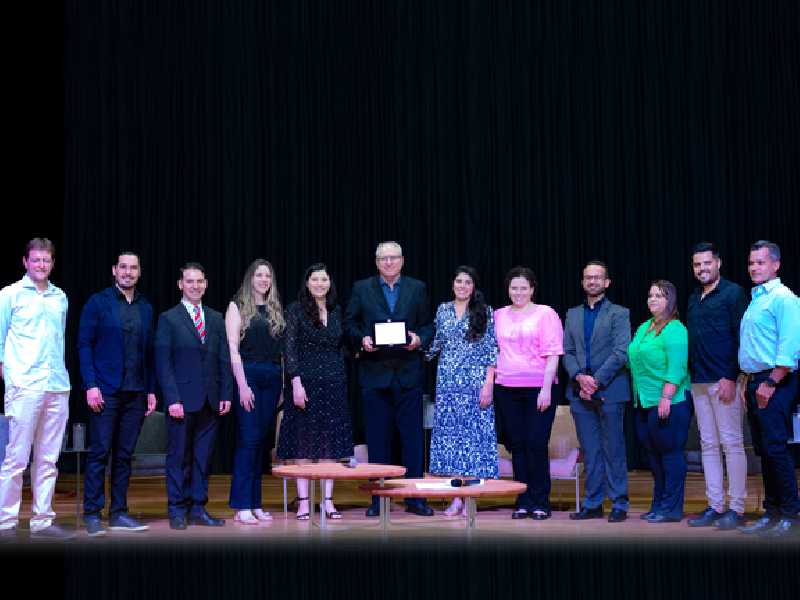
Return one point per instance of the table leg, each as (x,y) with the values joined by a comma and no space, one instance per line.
(285,502)
(78,491)
(471,512)
(323,518)
(311,499)
(385,505)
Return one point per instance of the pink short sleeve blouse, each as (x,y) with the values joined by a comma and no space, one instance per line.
(526,338)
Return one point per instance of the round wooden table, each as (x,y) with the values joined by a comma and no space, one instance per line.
(407,488)
(334,470)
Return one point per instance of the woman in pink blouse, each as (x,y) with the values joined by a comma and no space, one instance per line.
(529,337)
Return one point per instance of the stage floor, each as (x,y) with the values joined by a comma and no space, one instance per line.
(147,501)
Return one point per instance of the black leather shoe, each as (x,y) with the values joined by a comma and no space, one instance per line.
(178,522)
(617,515)
(206,520)
(373,510)
(423,510)
(520,513)
(730,520)
(784,527)
(706,518)
(762,524)
(646,515)
(587,513)
(656,518)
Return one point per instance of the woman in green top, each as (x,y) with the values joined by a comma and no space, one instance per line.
(658,358)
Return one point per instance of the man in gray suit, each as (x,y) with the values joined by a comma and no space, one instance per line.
(596,338)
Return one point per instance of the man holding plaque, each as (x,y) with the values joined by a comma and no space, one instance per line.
(389,318)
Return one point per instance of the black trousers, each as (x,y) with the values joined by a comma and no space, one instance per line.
(771,428)
(528,430)
(114,430)
(190,442)
(385,408)
(665,442)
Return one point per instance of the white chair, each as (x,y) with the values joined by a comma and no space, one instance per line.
(563,451)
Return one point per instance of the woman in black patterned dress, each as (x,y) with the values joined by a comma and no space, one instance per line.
(316,423)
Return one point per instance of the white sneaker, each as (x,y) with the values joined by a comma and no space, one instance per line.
(245,517)
(262,515)
(454,508)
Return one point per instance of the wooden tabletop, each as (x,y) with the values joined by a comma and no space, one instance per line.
(338,471)
(406,488)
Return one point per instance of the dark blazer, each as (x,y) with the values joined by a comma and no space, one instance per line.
(610,339)
(189,371)
(101,345)
(367,306)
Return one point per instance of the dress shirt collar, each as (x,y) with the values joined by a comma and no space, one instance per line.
(765,288)
(717,288)
(384,283)
(120,295)
(190,307)
(597,305)
(28,283)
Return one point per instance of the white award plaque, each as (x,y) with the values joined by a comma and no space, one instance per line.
(391,333)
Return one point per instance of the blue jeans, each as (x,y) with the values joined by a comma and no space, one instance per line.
(264,379)
(665,442)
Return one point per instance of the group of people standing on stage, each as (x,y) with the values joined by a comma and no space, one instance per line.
(732,354)
(205,364)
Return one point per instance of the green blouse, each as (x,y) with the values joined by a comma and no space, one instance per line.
(656,359)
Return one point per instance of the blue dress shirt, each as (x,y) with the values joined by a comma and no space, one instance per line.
(32,336)
(589,317)
(391,294)
(770,331)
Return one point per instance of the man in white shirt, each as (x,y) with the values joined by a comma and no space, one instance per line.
(33,316)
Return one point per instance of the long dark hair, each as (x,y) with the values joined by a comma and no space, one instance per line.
(476,308)
(308,302)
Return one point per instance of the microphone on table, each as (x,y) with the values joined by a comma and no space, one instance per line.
(464,482)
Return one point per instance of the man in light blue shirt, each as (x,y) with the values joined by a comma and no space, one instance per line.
(33,315)
(769,350)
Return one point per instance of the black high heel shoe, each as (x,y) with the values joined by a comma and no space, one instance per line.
(301,516)
(334,514)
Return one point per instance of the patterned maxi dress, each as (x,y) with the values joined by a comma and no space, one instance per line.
(464,441)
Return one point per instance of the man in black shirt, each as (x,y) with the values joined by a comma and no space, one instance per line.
(115,344)
(713,317)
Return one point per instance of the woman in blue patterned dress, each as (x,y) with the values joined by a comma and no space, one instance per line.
(464,441)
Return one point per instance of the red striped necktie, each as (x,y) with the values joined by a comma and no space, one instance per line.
(199,325)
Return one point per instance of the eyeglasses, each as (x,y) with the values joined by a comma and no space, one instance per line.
(386,259)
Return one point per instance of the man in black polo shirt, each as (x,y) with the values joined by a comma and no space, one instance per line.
(713,316)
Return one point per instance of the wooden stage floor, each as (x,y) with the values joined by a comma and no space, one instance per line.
(147,501)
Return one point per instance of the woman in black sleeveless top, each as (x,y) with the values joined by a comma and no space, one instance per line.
(254,323)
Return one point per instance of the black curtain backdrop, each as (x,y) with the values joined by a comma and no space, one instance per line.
(491,133)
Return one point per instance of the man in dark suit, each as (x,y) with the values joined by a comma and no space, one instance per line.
(596,338)
(194,370)
(115,345)
(391,378)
